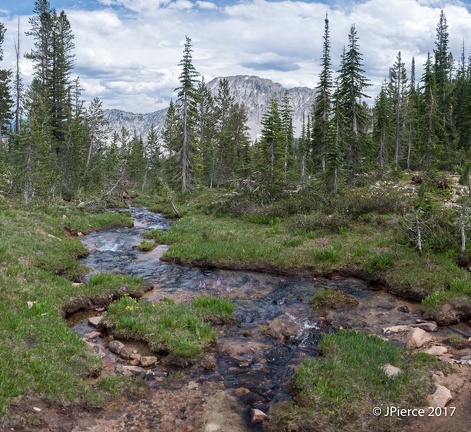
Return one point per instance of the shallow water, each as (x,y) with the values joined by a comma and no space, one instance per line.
(275,328)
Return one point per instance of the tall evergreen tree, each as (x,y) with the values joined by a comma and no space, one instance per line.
(443,68)
(226,150)
(323,102)
(188,112)
(352,82)
(398,92)
(411,118)
(206,133)
(382,124)
(6,101)
(272,145)
(288,136)
(430,122)
(171,136)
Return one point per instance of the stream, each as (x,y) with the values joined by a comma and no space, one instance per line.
(251,367)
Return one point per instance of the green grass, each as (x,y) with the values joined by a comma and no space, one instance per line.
(38,262)
(179,329)
(363,250)
(328,298)
(146,245)
(338,390)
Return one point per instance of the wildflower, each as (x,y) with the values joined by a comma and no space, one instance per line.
(218,283)
(122,288)
(228,289)
(202,284)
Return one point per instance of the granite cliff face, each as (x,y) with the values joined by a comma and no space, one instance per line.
(252,91)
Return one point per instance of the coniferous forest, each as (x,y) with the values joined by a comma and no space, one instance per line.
(56,146)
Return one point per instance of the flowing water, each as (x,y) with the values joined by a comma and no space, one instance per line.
(275,329)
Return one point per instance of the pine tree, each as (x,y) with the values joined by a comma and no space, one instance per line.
(352,83)
(398,92)
(188,112)
(323,102)
(288,136)
(206,133)
(171,136)
(411,118)
(226,150)
(382,124)
(6,101)
(336,143)
(430,122)
(241,140)
(154,152)
(443,68)
(272,146)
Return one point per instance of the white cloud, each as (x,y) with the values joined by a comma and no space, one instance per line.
(127,53)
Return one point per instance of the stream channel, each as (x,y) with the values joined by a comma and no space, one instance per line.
(275,328)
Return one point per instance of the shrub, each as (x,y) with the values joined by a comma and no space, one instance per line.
(316,221)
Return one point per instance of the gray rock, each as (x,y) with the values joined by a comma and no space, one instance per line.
(125,353)
(147,361)
(134,371)
(441,397)
(437,350)
(115,346)
(430,326)
(418,338)
(258,416)
(92,335)
(95,321)
(391,370)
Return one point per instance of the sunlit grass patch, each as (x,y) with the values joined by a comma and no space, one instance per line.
(167,326)
(343,385)
(328,298)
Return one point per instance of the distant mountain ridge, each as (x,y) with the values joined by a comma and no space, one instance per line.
(252,91)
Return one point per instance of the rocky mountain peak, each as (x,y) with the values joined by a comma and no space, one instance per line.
(252,91)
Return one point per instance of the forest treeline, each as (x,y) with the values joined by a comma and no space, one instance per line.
(54,146)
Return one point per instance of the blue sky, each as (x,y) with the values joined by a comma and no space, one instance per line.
(127,51)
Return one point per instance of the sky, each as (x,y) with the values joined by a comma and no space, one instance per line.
(127,51)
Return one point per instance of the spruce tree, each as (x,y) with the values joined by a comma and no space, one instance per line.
(288,136)
(383,116)
(226,151)
(398,93)
(188,112)
(323,103)
(352,82)
(430,121)
(6,101)
(272,146)
(443,68)
(206,133)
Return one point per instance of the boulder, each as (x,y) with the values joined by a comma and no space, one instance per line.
(125,352)
(115,346)
(147,361)
(441,397)
(437,350)
(92,335)
(134,371)
(391,370)
(418,338)
(95,321)
(258,416)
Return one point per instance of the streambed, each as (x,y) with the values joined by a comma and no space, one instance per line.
(275,329)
